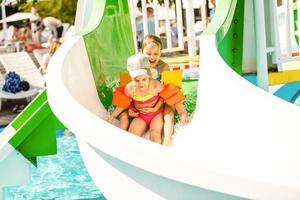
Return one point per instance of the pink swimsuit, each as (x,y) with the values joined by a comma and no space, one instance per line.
(146,117)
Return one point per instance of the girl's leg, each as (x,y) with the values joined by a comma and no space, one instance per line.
(168,125)
(124,120)
(155,129)
(138,127)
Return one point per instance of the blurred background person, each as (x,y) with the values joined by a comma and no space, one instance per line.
(54,45)
(139,24)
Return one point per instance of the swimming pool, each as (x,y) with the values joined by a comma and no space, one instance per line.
(62,176)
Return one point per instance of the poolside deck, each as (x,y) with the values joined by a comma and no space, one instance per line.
(6,113)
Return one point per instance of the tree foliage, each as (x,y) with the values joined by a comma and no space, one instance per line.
(64,10)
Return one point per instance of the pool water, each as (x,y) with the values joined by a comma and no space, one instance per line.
(297,101)
(62,176)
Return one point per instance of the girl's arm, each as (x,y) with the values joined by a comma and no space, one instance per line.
(129,89)
(118,110)
(114,114)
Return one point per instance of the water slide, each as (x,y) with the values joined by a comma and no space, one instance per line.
(242,143)
(30,135)
(217,156)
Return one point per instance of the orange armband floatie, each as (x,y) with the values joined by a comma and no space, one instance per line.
(120,99)
(171,94)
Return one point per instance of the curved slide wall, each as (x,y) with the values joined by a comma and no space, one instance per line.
(211,158)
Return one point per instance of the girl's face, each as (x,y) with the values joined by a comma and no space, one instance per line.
(152,51)
(142,81)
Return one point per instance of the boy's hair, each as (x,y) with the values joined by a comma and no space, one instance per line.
(151,38)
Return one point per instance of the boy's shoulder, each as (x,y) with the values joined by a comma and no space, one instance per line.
(163,66)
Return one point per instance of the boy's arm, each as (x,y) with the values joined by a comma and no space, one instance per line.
(180,108)
(182,112)
(163,66)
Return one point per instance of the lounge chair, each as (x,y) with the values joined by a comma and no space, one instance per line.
(38,54)
(22,64)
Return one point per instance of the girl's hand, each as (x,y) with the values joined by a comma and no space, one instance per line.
(110,119)
(132,113)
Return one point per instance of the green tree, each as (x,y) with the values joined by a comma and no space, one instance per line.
(64,10)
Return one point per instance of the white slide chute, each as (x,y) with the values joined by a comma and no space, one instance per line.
(241,143)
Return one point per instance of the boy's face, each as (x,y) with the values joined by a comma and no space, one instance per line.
(142,81)
(152,51)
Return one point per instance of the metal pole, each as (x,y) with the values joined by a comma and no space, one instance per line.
(298,10)
(179,24)
(204,13)
(156,20)
(79,18)
(133,23)
(276,55)
(4,22)
(190,20)
(288,23)
(261,49)
(145,17)
(168,26)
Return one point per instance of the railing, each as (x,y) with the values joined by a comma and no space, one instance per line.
(284,32)
(173,36)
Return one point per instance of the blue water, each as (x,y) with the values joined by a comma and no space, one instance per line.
(297,101)
(62,176)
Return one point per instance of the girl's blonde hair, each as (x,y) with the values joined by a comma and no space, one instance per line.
(53,47)
(151,38)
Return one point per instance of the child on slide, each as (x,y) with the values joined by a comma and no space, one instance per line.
(151,47)
(147,96)
(147,108)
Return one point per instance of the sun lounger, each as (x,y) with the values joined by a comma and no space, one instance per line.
(22,64)
(38,54)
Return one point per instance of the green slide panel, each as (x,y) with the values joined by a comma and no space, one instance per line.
(108,47)
(228,27)
(35,130)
